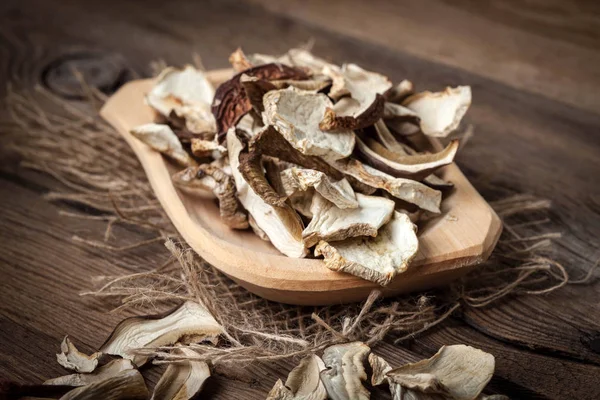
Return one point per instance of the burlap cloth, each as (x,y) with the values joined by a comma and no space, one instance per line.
(97,169)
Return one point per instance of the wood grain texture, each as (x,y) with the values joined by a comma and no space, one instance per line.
(527,140)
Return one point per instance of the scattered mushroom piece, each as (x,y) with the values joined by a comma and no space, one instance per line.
(162,139)
(379,368)
(377,259)
(207,148)
(440,112)
(190,323)
(231,102)
(127,385)
(339,193)
(108,370)
(188,94)
(73,359)
(365,104)
(282,225)
(400,92)
(415,167)
(303,382)
(182,380)
(405,189)
(455,372)
(331,223)
(296,114)
(345,371)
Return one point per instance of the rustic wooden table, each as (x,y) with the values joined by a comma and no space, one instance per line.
(534,69)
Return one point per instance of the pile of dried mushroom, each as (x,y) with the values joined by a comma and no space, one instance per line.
(310,154)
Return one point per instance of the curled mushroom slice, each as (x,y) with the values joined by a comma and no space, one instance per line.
(250,166)
(389,141)
(377,259)
(331,223)
(365,103)
(282,225)
(411,191)
(296,115)
(379,368)
(182,380)
(73,359)
(415,166)
(190,323)
(127,385)
(162,139)
(303,382)
(456,372)
(207,148)
(339,193)
(345,371)
(231,103)
(187,94)
(400,92)
(108,370)
(440,112)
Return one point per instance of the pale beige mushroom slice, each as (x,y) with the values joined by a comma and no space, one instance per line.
(303,382)
(183,379)
(190,323)
(106,371)
(339,192)
(378,259)
(440,112)
(73,359)
(296,115)
(207,148)
(379,368)
(162,139)
(455,372)
(416,166)
(331,223)
(188,94)
(360,95)
(411,191)
(345,373)
(127,385)
(282,225)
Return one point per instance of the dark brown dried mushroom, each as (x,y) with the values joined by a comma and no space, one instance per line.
(230,102)
(127,385)
(346,371)
(183,379)
(455,372)
(190,323)
(378,259)
(303,382)
(109,370)
(162,139)
(331,223)
(73,359)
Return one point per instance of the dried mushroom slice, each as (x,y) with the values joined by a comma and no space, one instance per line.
(193,182)
(296,115)
(190,323)
(346,371)
(182,380)
(436,182)
(411,191)
(187,94)
(414,167)
(127,385)
(282,225)
(162,139)
(440,112)
(400,92)
(379,368)
(397,112)
(389,141)
(231,103)
(365,104)
(73,359)
(331,223)
(377,259)
(250,166)
(109,370)
(303,382)
(339,192)
(457,372)
(207,148)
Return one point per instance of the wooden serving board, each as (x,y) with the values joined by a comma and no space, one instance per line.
(449,246)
